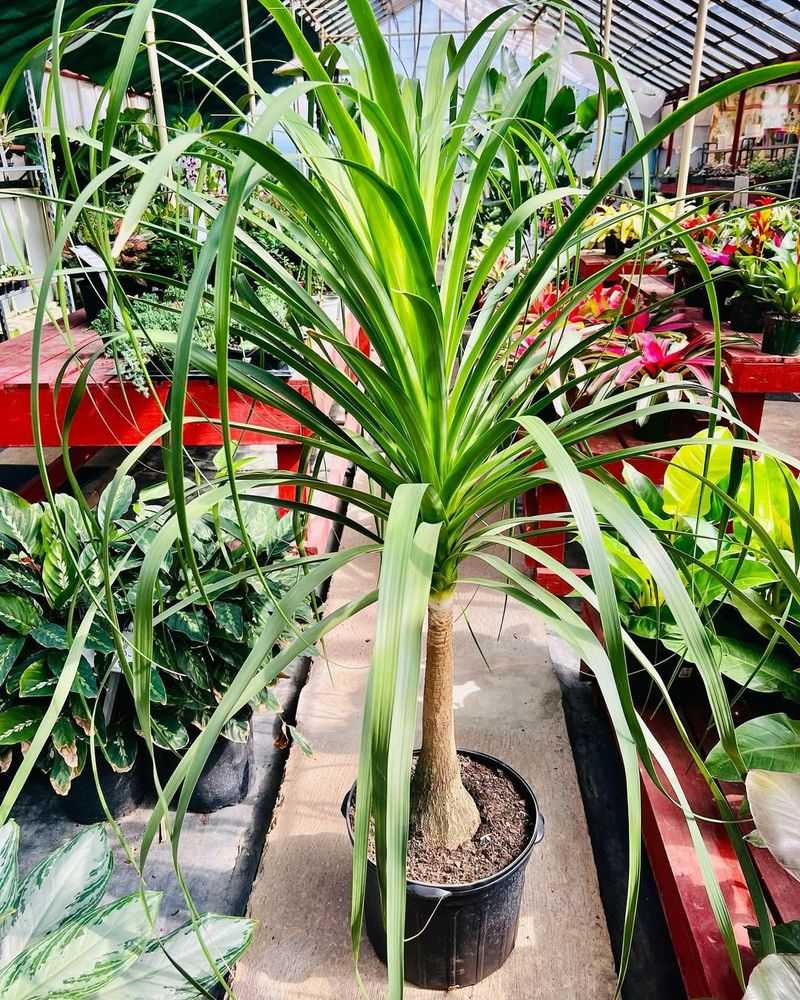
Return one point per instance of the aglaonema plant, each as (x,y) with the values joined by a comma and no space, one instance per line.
(445,414)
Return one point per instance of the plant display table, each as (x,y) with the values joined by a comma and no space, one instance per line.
(593,261)
(699,948)
(113,413)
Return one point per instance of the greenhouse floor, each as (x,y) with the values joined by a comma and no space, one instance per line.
(302,893)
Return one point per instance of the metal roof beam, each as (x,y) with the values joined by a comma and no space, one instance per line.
(738,11)
(641,69)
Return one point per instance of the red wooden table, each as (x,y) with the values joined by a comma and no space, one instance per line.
(113,413)
(699,948)
(593,261)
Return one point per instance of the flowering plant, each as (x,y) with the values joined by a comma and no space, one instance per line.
(776,280)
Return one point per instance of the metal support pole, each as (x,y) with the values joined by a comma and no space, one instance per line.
(248,60)
(694,89)
(796,170)
(155,81)
(601,113)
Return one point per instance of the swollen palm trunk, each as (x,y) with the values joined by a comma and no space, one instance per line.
(442,810)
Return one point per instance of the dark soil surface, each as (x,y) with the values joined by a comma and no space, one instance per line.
(505,829)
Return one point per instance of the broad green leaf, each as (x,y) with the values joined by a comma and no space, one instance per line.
(9,870)
(684,491)
(120,746)
(158,693)
(237,729)
(99,639)
(169,732)
(19,723)
(19,520)
(65,740)
(738,660)
(37,681)
(228,620)
(10,648)
(774,799)
(84,955)
(122,501)
(777,977)
(50,635)
(60,775)
(153,974)
(66,884)
(21,576)
(765,488)
(192,664)
(193,624)
(769,743)
(646,492)
(787,939)
(20,614)
(57,570)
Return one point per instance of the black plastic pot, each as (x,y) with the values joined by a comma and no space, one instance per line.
(614,247)
(225,779)
(746,315)
(456,935)
(781,335)
(123,791)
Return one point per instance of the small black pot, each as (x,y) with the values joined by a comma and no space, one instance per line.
(225,779)
(781,335)
(746,314)
(614,247)
(456,935)
(123,791)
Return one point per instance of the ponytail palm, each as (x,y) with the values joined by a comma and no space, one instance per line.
(446,413)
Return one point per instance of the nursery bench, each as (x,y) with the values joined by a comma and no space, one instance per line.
(699,948)
(113,413)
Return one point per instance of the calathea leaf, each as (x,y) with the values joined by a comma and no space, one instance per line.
(85,682)
(65,741)
(20,576)
(120,746)
(50,635)
(58,571)
(158,693)
(37,680)
(228,620)
(19,723)
(99,639)
(19,521)
(66,884)
(88,953)
(192,624)
(20,614)
(10,648)
(122,501)
(61,775)
(169,732)
(237,729)
(192,665)
(769,743)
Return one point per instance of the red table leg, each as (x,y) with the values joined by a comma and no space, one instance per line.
(751,408)
(288,456)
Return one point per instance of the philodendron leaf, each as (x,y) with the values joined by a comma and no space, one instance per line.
(774,799)
(19,520)
(10,648)
(20,614)
(65,885)
(122,501)
(777,977)
(9,872)
(84,955)
(741,661)
(684,493)
(787,939)
(154,975)
(19,724)
(769,743)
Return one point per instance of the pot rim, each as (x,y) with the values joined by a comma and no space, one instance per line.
(783,318)
(519,861)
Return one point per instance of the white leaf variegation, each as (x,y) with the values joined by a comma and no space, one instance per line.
(777,977)
(83,955)
(9,845)
(66,884)
(774,799)
(154,975)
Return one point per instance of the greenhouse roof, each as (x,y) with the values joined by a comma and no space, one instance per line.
(651,39)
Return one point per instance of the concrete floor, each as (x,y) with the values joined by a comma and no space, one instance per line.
(301,896)
(781,425)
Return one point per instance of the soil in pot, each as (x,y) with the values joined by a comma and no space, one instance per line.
(225,779)
(462,906)
(123,791)
(781,335)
